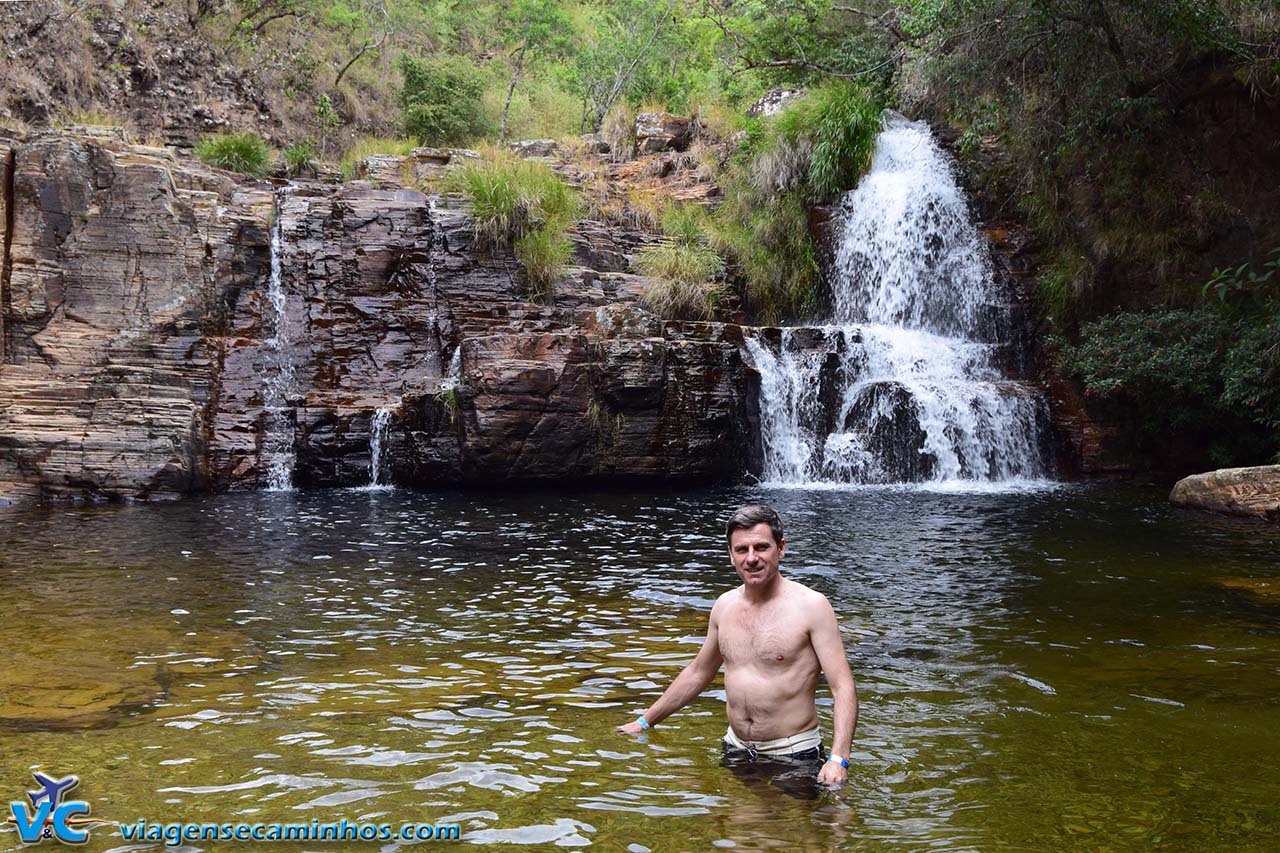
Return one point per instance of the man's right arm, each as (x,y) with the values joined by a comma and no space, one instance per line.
(691,681)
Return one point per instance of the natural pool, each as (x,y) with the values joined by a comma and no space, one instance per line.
(1043,670)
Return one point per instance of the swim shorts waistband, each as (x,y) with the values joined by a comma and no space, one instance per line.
(801,742)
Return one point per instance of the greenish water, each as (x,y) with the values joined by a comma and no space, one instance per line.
(1058,670)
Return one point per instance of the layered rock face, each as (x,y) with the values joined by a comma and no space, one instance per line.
(118,263)
(141,340)
(1253,492)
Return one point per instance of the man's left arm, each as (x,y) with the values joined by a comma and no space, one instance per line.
(825,636)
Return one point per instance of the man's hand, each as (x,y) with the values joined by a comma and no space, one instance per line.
(832,774)
(631,728)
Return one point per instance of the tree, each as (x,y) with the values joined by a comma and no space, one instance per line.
(542,30)
(440,100)
(629,35)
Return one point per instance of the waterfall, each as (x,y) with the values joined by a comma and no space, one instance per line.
(377,442)
(905,384)
(277,380)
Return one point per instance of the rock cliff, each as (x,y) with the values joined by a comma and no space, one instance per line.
(140,339)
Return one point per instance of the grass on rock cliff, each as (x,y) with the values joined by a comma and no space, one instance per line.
(817,148)
(687,271)
(524,205)
(246,153)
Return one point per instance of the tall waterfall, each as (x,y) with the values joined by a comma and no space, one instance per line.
(904,385)
(277,378)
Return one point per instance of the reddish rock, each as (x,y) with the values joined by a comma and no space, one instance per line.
(1253,492)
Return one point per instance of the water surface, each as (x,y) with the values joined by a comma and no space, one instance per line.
(1071,669)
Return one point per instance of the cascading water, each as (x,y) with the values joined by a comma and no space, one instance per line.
(904,386)
(377,442)
(277,382)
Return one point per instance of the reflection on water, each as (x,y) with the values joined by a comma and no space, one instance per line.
(1050,670)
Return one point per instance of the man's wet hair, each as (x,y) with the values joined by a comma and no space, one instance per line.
(747,517)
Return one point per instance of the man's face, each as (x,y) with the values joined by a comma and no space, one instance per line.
(755,555)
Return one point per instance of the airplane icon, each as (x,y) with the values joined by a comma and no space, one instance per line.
(53,791)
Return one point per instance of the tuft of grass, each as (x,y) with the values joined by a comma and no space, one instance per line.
(619,130)
(367,146)
(236,152)
(544,253)
(686,279)
(88,118)
(300,157)
(644,209)
(521,204)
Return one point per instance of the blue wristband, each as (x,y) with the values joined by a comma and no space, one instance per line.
(644,724)
(843,762)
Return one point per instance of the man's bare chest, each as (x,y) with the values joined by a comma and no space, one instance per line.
(773,638)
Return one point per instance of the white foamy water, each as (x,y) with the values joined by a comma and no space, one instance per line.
(278,379)
(377,447)
(904,386)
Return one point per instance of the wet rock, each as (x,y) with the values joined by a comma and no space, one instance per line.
(120,262)
(1253,492)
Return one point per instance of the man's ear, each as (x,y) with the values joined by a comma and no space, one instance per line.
(782,548)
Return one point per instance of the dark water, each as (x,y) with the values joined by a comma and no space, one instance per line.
(1061,670)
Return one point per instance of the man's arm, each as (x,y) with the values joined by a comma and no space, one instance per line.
(825,636)
(691,681)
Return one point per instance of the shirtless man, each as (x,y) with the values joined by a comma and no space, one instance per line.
(773,636)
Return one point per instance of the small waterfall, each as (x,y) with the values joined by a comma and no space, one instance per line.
(453,372)
(377,446)
(278,379)
(905,385)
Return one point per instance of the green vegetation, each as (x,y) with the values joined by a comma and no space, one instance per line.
(236,152)
(1213,368)
(815,149)
(688,273)
(441,100)
(299,157)
(522,205)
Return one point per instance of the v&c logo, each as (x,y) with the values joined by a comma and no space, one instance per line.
(49,816)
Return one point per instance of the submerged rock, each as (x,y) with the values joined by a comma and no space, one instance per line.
(1253,492)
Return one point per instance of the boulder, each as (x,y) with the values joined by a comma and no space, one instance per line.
(772,102)
(383,169)
(657,132)
(535,148)
(1253,492)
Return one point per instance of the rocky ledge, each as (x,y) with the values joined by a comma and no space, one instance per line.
(171,328)
(1251,492)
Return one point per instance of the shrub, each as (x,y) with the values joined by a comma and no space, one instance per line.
(441,100)
(1251,373)
(237,152)
(1166,361)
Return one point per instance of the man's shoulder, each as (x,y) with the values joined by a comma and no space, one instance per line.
(728,597)
(807,598)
